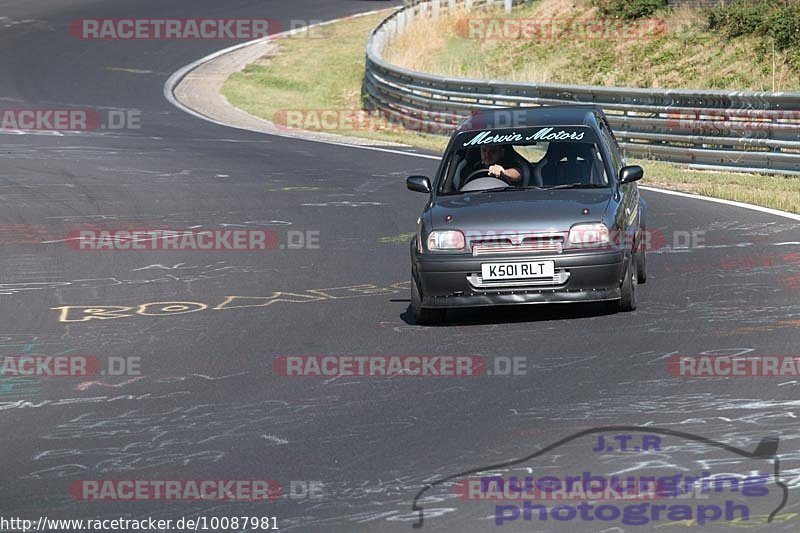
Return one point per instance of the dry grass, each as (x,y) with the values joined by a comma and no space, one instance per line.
(327,74)
(685,55)
(316,75)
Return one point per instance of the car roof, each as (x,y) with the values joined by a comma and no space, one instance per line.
(517,117)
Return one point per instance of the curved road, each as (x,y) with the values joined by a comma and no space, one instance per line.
(207,404)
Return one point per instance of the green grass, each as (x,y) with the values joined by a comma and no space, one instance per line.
(777,192)
(316,74)
(327,74)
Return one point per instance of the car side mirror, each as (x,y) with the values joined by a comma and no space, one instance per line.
(418,184)
(630,174)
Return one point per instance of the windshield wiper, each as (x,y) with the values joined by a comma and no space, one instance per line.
(510,188)
(578,186)
(496,189)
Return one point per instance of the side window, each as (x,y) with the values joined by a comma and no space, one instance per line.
(444,174)
(616,155)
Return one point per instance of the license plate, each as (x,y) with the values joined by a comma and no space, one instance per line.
(526,270)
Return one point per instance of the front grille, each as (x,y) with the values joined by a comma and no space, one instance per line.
(476,281)
(522,244)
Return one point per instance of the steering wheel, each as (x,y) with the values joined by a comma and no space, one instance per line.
(481,172)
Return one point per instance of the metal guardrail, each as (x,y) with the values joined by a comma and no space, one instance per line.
(719,130)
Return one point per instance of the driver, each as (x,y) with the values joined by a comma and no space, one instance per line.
(501,164)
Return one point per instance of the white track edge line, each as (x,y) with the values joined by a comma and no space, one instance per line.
(173,81)
(767,210)
(177,76)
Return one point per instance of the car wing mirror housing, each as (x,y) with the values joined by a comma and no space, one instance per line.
(630,174)
(418,184)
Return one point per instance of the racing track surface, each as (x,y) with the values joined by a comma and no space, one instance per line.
(208,406)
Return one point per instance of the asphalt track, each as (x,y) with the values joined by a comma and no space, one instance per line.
(208,406)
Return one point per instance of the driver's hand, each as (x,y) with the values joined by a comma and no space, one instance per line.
(496,170)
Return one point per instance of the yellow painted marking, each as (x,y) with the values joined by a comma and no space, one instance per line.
(130,70)
(84,313)
(403,238)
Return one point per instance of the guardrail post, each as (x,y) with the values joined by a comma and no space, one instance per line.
(437,6)
(508,5)
(401,22)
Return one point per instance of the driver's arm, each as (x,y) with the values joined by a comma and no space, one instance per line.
(511,175)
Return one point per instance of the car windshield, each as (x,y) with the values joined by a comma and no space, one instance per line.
(568,158)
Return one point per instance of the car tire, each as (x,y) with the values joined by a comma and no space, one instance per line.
(641,265)
(424,316)
(628,300)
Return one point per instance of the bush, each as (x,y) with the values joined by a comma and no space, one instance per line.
(784,26)
(629,9)
(777,19)
(743,17)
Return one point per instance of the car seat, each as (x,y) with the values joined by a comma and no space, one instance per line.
(524,166)
(568,163)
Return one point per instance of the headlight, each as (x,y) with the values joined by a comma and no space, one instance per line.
(446,240)
(588,235)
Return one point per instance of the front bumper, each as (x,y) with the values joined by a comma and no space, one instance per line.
(453,280)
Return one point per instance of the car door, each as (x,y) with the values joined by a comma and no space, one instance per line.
(628,215)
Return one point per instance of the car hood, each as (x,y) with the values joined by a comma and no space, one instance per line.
(525,210)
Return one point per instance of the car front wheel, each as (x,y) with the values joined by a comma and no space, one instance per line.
(628,300)
(424,316)
(641,265)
